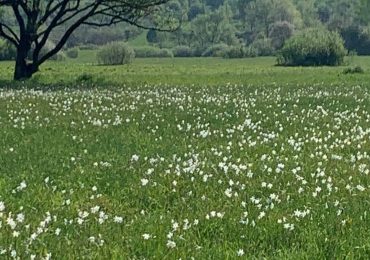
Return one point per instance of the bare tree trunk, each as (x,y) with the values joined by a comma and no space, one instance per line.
(23,69)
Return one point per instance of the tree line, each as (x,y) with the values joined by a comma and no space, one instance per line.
(263,25)
(242,27)
(39,29)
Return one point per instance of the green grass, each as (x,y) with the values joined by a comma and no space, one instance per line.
(84,57)
(191,71)
(203,157)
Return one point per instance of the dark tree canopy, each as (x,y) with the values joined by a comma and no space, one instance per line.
(35,20)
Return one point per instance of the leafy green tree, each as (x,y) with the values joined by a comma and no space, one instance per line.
(213,28)
(363,11)
(261,14)
(214,4)
(280,32)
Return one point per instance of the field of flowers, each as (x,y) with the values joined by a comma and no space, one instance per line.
(170,172)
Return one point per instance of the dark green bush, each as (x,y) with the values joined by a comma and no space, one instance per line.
(7,51)
(217,50)
(115,53)
(72,53)
(235,52)
(313,47)
(354,70)
(182,51)
(152,52)
(250,52)
(263,47)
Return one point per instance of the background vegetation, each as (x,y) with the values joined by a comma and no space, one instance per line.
(234,28)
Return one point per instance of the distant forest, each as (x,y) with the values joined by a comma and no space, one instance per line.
(259,27)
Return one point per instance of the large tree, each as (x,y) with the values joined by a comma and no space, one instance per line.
(35,20)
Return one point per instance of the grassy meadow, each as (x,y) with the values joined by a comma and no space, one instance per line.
(186,72)
(185,159)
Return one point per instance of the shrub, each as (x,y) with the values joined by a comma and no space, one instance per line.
(115,53)
(7,51)
(313,47)
(198,51)
(72,53)
(250,52)
(152,52)
(217,50)
(263,47)
(182,51)
(354,70)
(235,52)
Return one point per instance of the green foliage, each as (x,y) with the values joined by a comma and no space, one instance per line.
(237,22)
(195,10)
(313,47)
(152,52)
(72,53)
(250,52)
(357,39)
(182,51)
(263,47)
(217,50)
(238,52)
(235,52)
(7,50)
(115,53)
(260,15)
(213,28)
(280,32)
(151,36)
(354,70)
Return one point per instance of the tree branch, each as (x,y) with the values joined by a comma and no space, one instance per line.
(66,36)
(18,16)
(13,37)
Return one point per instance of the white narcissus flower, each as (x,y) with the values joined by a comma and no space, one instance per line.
(20,218)
(360,187)
(11,223)
(144,182)
(171,244)
(240,252)
(146,236)
(117,219)
(135,158)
